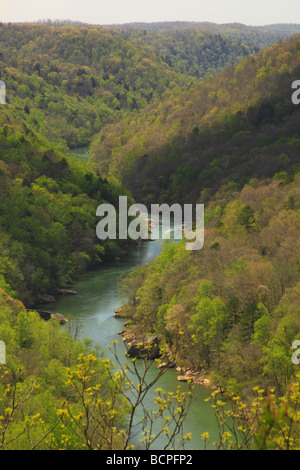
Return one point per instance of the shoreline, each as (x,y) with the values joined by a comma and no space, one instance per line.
(137,347)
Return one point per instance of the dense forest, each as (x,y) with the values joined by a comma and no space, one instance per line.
(236,125)
(79,78)
(47,215)
(237,299)
(255,37)
(83,78)
(63,85)
(172,112)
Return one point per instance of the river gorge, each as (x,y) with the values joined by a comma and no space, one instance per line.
(93,309)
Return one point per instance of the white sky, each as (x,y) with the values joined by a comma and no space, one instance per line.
(253,12)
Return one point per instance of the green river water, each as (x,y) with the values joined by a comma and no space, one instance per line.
(93,307)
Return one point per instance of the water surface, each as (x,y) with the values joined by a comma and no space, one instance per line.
(94,306)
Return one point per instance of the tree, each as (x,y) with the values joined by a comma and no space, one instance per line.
(247,218)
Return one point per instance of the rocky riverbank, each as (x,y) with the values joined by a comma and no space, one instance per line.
(197,377)
(45,315)
(141,348)
(149,348)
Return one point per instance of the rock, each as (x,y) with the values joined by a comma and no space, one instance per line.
(128,337)
(147,348)
(150,223)
(67,292)
(45,315)
(182,378)
(196,377)
(206,382)
(166,364)
(59,317)
(188,375)
(118,313)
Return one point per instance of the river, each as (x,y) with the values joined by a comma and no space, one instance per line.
(81,154)
(93,308)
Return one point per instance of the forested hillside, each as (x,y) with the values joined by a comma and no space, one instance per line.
(195,53)
(63,84)
(232,143)
(67,82)
(258,36)
(236,301)
(236,125)
(47,214)
(41,404)
(175,112)
(81,78)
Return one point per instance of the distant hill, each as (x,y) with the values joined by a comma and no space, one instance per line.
(234,126)
(84,77)
(261,36)
(197,53)
(69,81)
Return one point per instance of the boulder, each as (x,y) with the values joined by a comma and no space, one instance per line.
(45,315)
(183,378)
(197,377)
(118,313)
(147,348)
(67,292)
(187,375)
(170,365)
(59,317)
